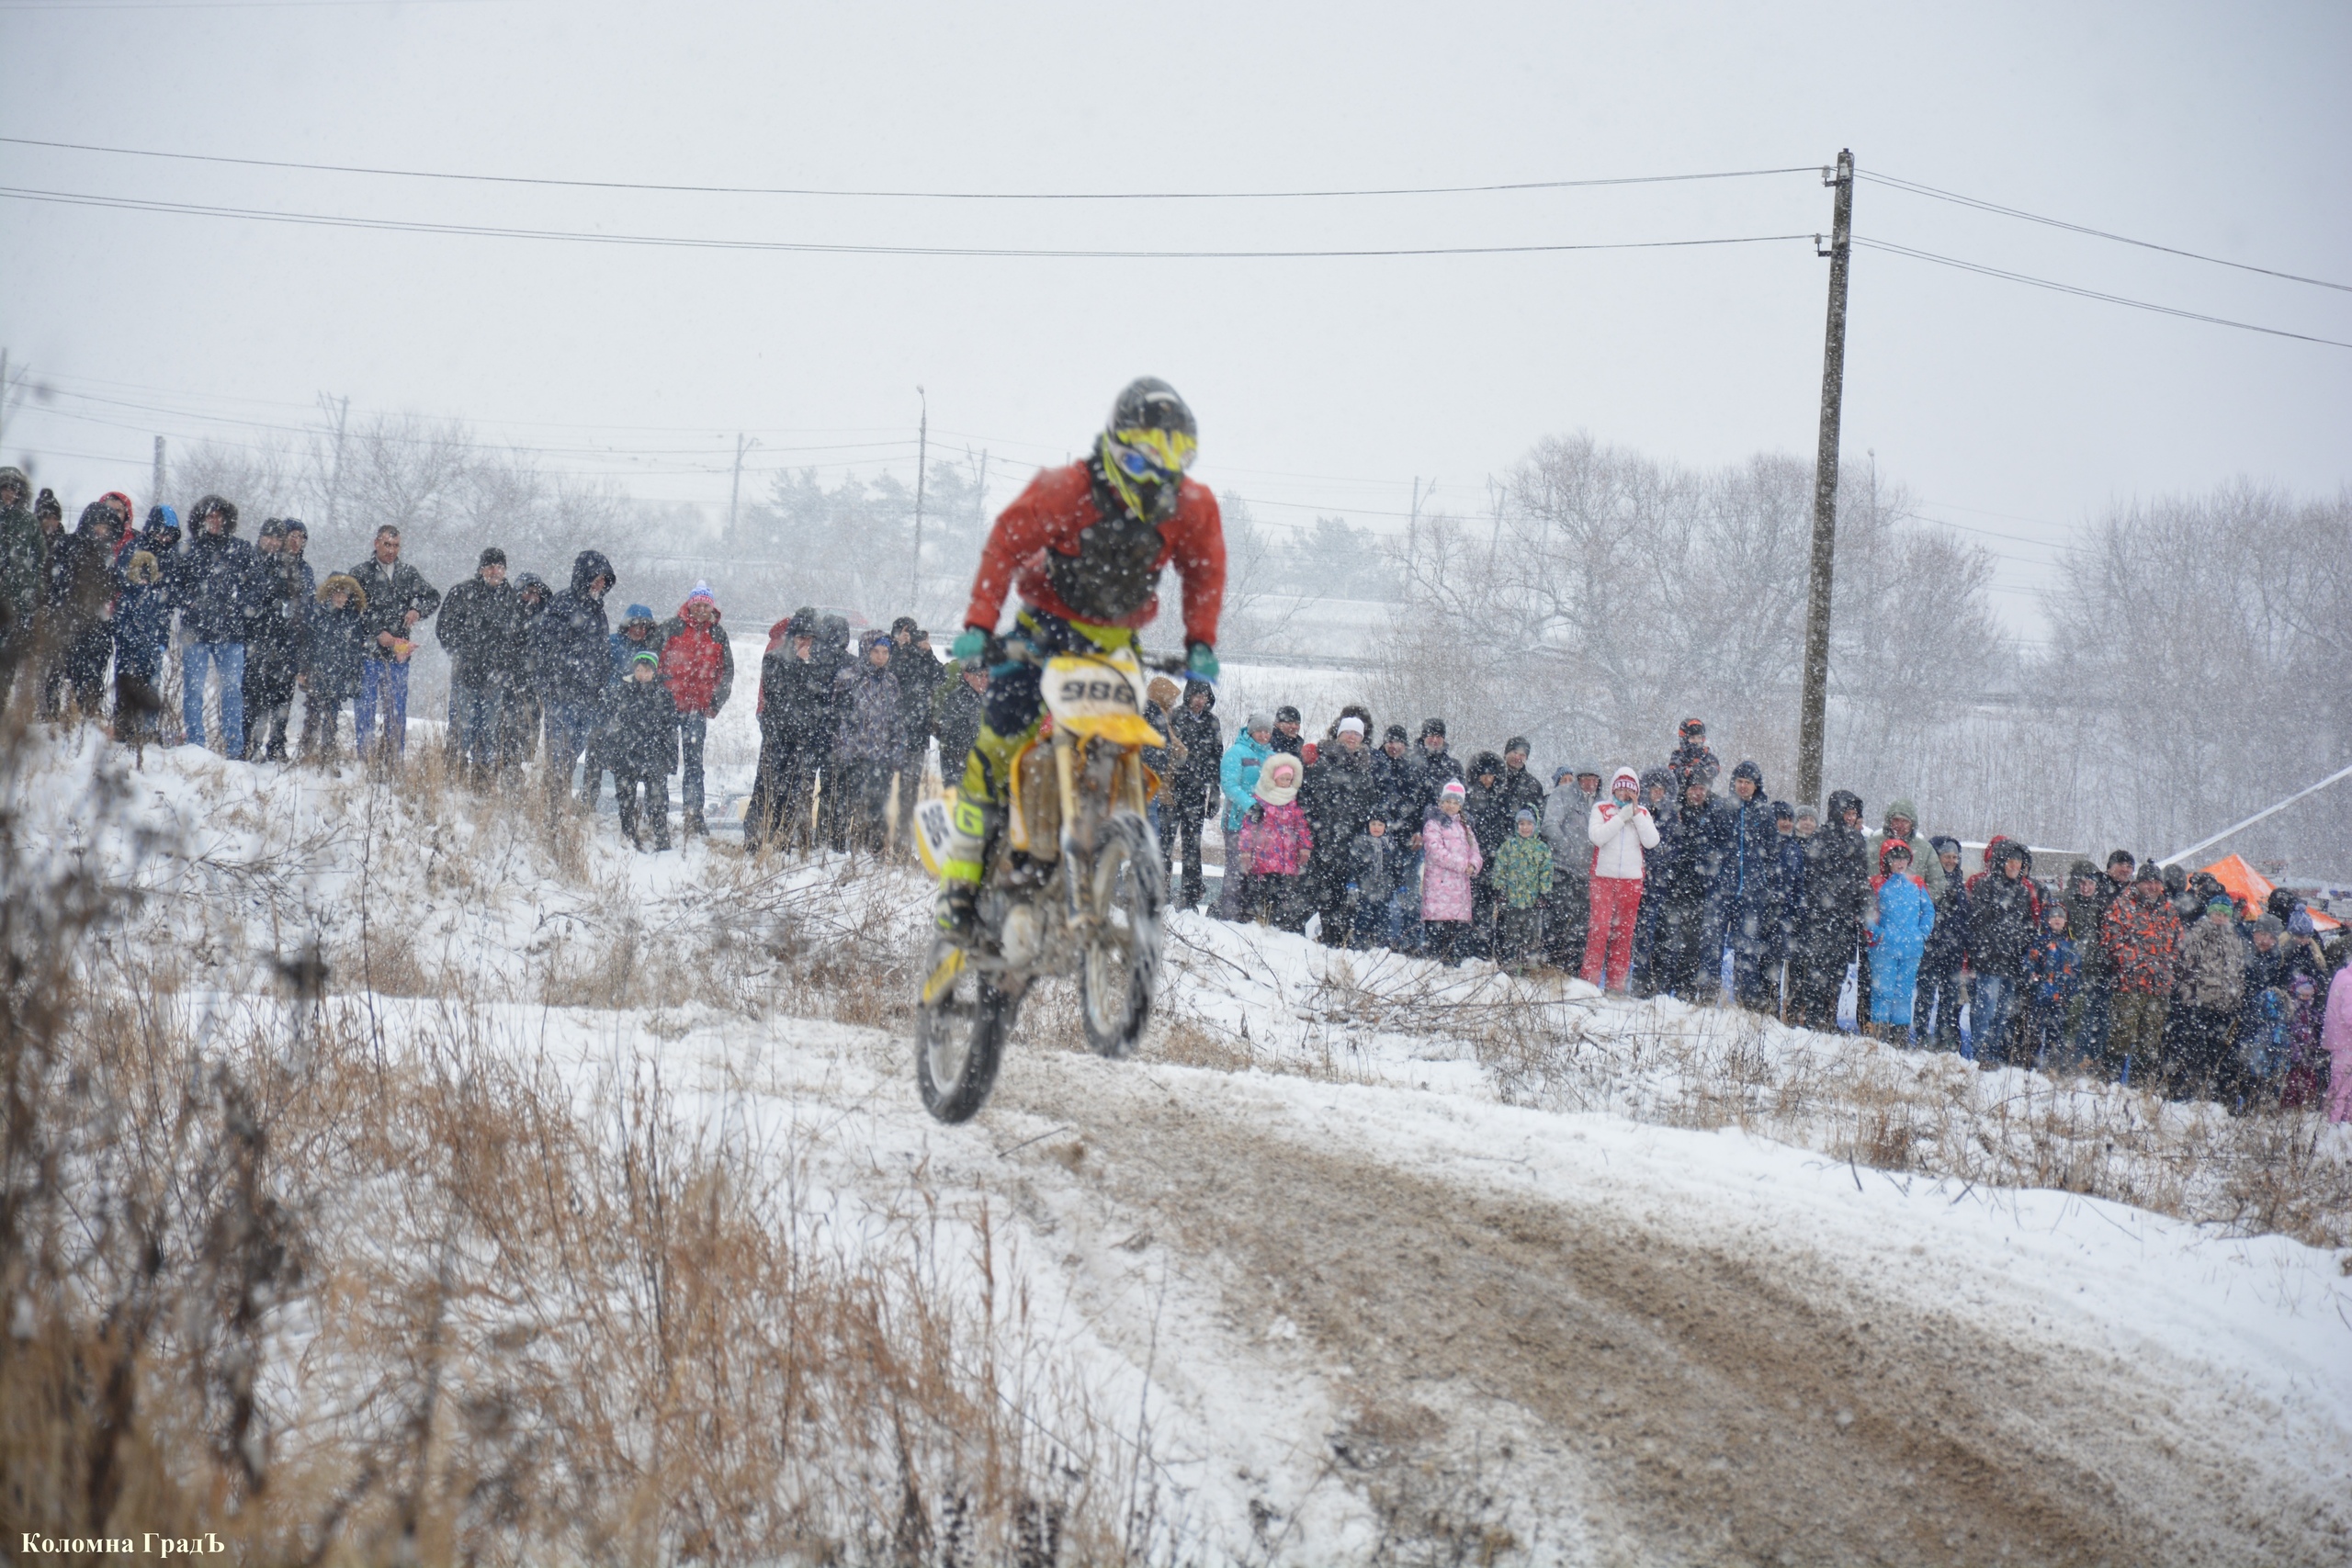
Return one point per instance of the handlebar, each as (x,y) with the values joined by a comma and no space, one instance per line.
(1018,651)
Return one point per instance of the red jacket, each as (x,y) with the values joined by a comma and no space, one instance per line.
(1055,510)
(696,664)
(2142,938)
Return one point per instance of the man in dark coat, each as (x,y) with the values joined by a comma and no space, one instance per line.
(2004,915)
(1692,758)
(1342,794)
(1657,793)
(480,624)
(1749,889)
(867,747)
(1195,797)
(795,708)
(571,659)
(1935,1016)
(397,597)
(1396,774)
(274,650)
(520,712)
(959,709)
(23,568)
(918,670)
(1434,767)
(1566,826)
(1836,893)
(216,586)
(1492,821)
(1688,956)
(1286,736)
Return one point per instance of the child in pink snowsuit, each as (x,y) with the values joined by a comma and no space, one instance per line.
(2335,1033)
(1450,859)
(1277,841)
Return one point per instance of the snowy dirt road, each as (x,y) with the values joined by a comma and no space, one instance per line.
(1534,1349)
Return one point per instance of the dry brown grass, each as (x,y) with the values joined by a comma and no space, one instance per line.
(1899,1109)
(1848,1096)
(334,1288)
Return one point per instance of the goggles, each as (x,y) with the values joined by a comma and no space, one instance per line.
(1141,453)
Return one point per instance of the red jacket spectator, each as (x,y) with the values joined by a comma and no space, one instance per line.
(2141,936)
(697,664)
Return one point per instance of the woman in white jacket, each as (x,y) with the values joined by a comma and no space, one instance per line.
(1620,828)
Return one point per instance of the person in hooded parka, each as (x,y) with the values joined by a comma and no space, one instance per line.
(571,659)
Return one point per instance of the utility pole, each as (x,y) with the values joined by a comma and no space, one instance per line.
(922,461)
(157,499)
(13,391)
(735,489)
(334,485)
(1412,530)
(1812,714)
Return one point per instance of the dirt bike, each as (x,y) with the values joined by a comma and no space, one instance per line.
(1073,887)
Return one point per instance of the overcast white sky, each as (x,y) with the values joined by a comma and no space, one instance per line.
(1321,385)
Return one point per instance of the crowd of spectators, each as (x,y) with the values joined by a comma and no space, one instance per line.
(529,667)
(1656,883)
(1651,884)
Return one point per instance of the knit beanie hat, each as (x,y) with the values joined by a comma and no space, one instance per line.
(1454,791)
(1527,817)
(648,657)
(1516,743)
(1351,724)
(1259,719)
(1432,727)
(1395,732)
(1285,714)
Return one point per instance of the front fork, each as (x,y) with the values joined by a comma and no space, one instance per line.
(1126,782)
(1066,780)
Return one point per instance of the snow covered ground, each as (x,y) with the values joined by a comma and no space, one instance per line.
(1362,1261)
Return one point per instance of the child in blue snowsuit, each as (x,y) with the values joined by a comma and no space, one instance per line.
(2053,982)
(1901,916)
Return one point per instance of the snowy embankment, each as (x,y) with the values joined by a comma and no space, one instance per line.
(1364,1260)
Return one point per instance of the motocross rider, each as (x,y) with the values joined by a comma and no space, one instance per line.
(1084,545)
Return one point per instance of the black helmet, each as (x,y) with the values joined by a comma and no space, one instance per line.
(1146,444)
(1150,403)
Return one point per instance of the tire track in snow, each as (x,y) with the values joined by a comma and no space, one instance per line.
(1673,1399)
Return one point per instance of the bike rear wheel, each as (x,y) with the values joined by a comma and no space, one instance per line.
(1129,890)
(959,1038)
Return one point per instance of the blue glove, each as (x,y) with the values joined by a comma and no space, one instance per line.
(1200,662)
(968,645)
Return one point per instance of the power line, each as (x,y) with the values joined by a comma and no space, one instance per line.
(680,188)
(129,204)
(1915,189)
(219,4)
(1893,249)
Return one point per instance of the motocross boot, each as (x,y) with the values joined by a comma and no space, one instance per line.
(958,910)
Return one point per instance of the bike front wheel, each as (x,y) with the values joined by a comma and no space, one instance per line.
(1129,890)
(961,1026)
